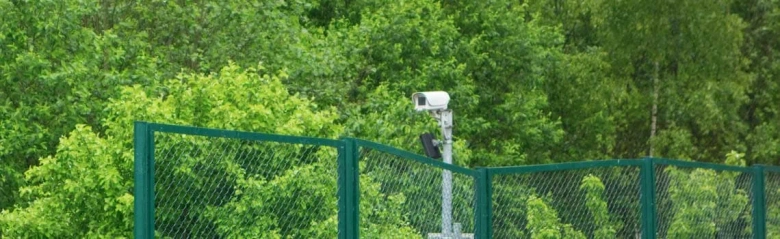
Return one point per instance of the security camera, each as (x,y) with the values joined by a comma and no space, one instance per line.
(430,100)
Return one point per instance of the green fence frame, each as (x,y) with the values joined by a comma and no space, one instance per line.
(647,185)
(359,143)
(647,182)
(348,179)
(144,132)
(759,188)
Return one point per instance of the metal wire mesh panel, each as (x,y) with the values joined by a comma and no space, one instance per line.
(406,196)
(772,203)
(598,202)
(702,203)
(208,187)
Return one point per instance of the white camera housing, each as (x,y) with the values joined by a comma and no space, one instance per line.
(430,100)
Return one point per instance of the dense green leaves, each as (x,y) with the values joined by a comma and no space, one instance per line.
(763,50)
(531,82)
(94,170)
(594,189)
(707,202)
(509,60)
(682,59)
(543,222)
(98,169)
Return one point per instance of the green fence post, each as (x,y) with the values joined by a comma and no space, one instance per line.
(484,214)
(143,143)
(759,203)
(342,190)
(349,192)
(647,198)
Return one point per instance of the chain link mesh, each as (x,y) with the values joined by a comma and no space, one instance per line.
(583,203)
(702,203)
(408,195)
(772,203)
(212,187)
(208,187)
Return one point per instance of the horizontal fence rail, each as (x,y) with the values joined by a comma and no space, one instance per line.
(697,200)
(206,183)
(598,199)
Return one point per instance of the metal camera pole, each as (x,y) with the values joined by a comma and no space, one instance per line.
(445,121)
(435,102)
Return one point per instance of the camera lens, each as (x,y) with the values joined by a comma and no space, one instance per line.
(421,100)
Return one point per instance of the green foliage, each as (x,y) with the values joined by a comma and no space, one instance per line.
(94,170)
(543,222)
(381,216)
(10,178)
(531,82)
(420,186)
(697,72)
(255,213)
(762,49)
(98,169)
(582,86)
(510,218)
(414,41)
(705,202)
(594,190)
(509,60)
(773,212)
(57,70)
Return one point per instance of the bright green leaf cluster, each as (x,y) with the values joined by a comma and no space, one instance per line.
(543,222)
(97,170)
(594,200)
(705,202)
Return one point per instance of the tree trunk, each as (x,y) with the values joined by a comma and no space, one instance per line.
(654,119)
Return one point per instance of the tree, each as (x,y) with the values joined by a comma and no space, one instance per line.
(255,212)
(543,222)
(531,81)
(58,70)
(408,45)
(681,66)
(581,91)
(98,169)
(585,98)
(707,203)
(760,46)
(509,59)
(594,190)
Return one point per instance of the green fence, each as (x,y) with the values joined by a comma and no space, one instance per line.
(206,183)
